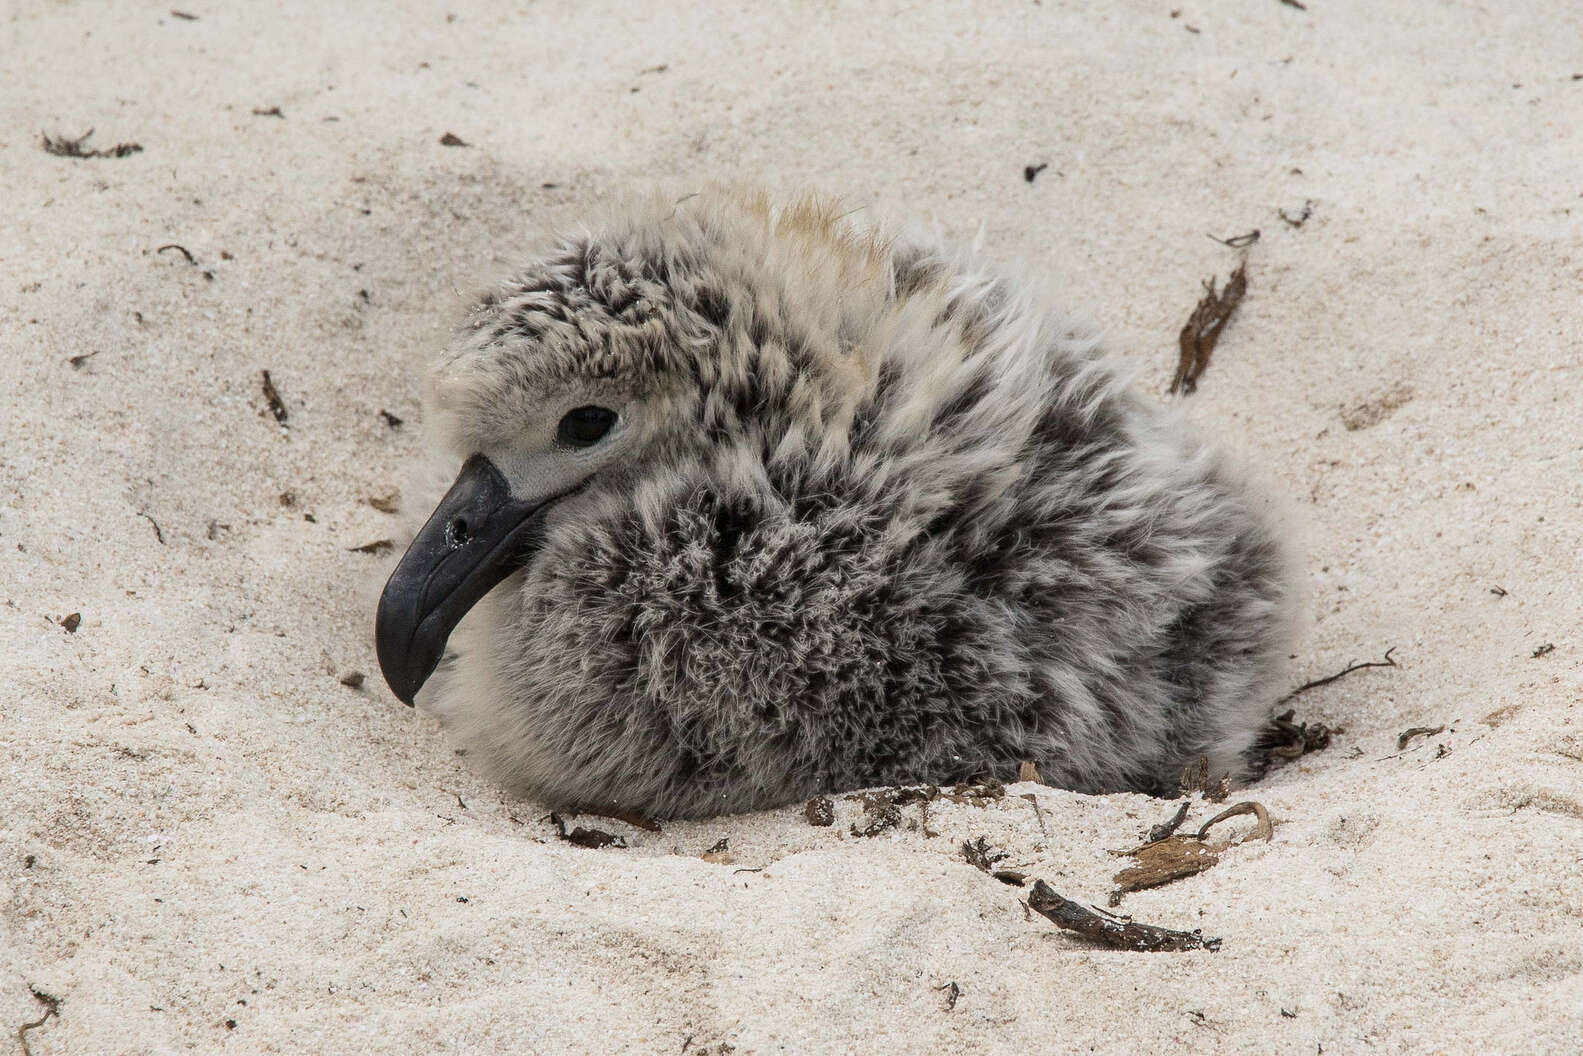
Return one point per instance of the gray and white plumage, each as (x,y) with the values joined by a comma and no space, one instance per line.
(873,515)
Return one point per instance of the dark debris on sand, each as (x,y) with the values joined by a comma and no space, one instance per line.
(882,806)
(1113,932)
(982,856)
(593,839)
(1203,328)
(1174,857)
(819,811)
(66,147)
(277,406)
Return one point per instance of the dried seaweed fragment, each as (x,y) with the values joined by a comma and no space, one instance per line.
(1171,858)
(1203,328)
(66,147)
(882,806)
(1159,863)
(980,855)
(1113,932)
(1285,739)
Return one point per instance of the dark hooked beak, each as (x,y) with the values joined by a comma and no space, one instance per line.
(476,537)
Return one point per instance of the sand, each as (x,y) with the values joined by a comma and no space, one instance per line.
(209,842)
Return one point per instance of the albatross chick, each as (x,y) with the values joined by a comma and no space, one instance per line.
(757,503)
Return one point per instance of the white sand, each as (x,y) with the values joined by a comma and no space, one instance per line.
(200,824)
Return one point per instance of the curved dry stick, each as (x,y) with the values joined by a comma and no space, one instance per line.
(1264,830)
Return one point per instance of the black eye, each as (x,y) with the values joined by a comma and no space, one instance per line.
(585,426)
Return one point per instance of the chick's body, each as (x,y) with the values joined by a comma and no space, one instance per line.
(885,518)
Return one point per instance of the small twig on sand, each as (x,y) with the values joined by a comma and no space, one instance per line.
(1316,683)
(51,1008)
(1113,932)
(158,532)
(183,250)
(1170,825)
(1237,241)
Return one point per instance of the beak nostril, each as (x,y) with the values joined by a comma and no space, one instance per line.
(476,538)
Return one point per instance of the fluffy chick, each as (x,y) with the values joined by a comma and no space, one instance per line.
(872,515)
